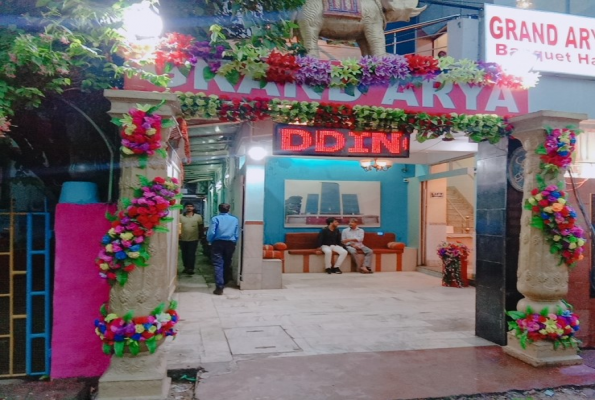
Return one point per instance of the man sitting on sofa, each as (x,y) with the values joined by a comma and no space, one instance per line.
(353,239)
(329,240)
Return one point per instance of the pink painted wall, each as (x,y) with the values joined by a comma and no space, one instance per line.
(78,291)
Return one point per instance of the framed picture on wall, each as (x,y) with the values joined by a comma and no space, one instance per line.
(308,203)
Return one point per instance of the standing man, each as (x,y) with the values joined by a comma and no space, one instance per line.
(329,240)
(223,234)
(353,239)
(190,233)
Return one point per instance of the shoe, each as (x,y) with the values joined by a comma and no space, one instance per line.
(189,272)
(218,291)
(336,270)
(369,270)
(329,270)
(364,271)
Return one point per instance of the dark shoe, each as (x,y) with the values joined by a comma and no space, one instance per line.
(329,270)
(189,272)
(218,291)
(336,270)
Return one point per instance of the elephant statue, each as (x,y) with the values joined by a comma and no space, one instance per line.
(367,29)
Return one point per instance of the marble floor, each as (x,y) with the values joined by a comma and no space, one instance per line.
(319,314)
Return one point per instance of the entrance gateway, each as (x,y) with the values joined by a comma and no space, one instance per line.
(330,142)
(255,178)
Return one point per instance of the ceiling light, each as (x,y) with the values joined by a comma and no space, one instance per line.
(257,153)
(376,164)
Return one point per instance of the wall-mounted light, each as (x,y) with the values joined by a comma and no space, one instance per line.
(376,164)
(257,153)
(142,23)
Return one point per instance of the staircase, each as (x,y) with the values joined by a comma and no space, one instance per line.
(459,212)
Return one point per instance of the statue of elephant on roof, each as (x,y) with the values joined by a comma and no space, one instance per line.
(367,29)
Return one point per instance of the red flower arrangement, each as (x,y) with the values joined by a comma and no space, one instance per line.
(557,151)
(128,332)
(557,220)
(174,51)
(559,327)
(125,244)
(333,115)
(233,110)
(452,255)
(422,65)
(141,130)
(282,67)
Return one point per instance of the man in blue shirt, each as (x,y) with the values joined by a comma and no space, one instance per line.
(223,234)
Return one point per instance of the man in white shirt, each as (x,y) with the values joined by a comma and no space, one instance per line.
(353,239)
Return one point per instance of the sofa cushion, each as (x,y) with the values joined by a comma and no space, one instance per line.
(280,246)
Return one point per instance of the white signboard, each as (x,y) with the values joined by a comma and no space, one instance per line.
(540,41)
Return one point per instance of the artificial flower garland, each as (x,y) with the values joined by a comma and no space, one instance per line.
(557,220)
(141,131)
(559,327)
(478,127)
(451,255)
(124,247)
(550,211)
(183,51)
(129,332)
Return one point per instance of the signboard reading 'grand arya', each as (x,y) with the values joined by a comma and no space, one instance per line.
(316,141)
(542,41)
(462,98)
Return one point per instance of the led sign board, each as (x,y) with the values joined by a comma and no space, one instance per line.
(298,140)
(541,41)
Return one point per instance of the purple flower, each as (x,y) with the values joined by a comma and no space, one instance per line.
(313,72)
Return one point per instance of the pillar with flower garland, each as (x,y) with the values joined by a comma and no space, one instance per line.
(543,326)
(142,295)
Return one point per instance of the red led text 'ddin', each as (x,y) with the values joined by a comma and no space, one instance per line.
(299,140)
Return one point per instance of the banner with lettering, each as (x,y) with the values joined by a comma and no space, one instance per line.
(540,41)
(452,98)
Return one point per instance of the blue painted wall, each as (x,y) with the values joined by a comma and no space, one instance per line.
(393,190)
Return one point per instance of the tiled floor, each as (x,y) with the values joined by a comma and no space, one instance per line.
(321,314)
(381,336)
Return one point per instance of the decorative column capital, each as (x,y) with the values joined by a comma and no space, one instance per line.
(124,100)
(527,124)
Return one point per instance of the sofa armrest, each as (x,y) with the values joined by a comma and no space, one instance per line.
(399,246)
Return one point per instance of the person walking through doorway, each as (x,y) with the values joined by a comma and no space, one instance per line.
(190,234)
(353,239)
(223,233)
(329,241)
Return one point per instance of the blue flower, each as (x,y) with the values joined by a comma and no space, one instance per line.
(136,247)
(121,255)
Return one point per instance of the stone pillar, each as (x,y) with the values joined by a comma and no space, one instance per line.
(143,376)
(540,277)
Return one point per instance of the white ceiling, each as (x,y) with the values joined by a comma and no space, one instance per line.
(212,144)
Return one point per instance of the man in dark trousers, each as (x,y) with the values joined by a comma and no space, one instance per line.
(329,241)
(223,234)
(190,233)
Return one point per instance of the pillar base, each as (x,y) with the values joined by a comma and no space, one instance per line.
(141,377)
(541,353)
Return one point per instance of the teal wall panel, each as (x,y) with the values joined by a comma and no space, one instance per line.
(393,206)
